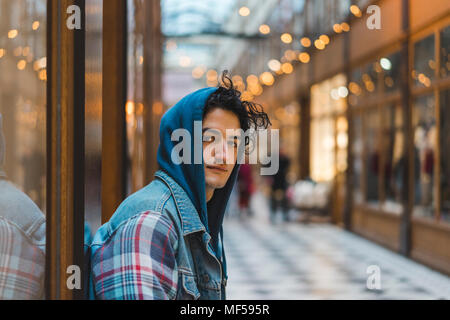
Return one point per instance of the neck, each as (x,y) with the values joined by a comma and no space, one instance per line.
(209,194)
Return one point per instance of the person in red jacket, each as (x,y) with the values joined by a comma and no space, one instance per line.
(245,182)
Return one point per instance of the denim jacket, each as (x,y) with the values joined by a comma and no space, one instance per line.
(196,271)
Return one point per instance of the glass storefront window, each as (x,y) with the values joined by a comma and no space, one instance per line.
(328,128)
(135,97)
(394,161)
(364,83)
(93,116)
(369,78)
(357,149)
(445,52)
(22,148)
(323,166)
(391,72)
(444,141)
(355,87)
(424,124)
(373,144)
(424,61)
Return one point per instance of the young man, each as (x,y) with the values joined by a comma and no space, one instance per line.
(165,241)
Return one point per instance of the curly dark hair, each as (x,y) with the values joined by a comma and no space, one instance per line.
(251,115)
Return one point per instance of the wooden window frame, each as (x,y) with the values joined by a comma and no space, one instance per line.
(65,150)
(437,86)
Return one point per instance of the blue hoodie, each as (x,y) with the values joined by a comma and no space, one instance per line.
(191,177)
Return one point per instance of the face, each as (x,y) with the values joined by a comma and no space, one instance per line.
(219,151)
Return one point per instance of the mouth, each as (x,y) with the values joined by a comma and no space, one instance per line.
(217,168)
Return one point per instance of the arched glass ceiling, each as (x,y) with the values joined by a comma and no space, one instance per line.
(183,17)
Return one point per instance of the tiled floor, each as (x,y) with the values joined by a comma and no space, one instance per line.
(317,261)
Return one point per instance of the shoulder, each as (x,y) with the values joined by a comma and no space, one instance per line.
(17,206)
(152,198)
(15,242)
(19,210)
(150,222)
(144,230)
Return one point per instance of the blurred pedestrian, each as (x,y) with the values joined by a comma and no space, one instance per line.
(245,182)
(278,197)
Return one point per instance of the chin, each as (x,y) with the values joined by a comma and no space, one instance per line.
(215,183)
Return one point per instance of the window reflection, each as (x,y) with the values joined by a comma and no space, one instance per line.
(444,140)
(373,158)
(93,116)
(369,78)
(391,72)
(135,97)
(394,161)
(364,83)
(445,52)
(328,129)
(424,62)
(357,148)
(22,148)
(424,124)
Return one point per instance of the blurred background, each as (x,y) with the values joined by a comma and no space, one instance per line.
(359,90)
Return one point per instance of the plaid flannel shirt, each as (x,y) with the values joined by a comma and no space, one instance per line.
(138,262)
(22,265)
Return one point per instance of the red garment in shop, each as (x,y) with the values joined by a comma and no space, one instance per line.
(428,162)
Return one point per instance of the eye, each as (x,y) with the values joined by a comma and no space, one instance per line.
(207,138)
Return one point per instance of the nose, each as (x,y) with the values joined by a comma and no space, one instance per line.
(221,152)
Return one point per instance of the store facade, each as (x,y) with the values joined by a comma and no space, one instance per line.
(376,123)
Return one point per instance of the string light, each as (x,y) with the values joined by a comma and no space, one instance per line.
(264,29)
(244,11)
(17,51)
(274,65)
(287,68)
(21,65)
(198,72)
(345,27)
(356,11)
(286,38)
(43,75)
(337,28)
(129,108)
(290,55)
(158,108)
(304,57)
(35,25)
(319,44)
(12,33)
(325,39)
(267,78)
(252,79)
(185,61)
(306,42)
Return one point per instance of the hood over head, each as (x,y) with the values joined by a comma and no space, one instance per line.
(191,177)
